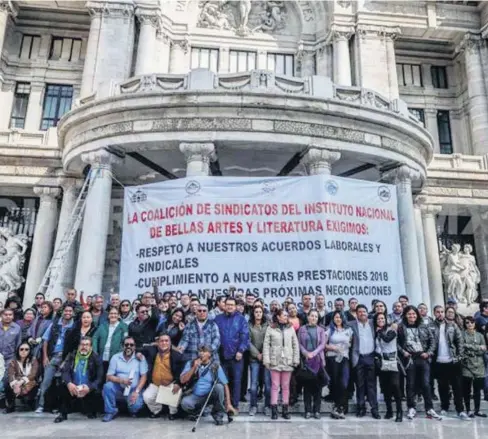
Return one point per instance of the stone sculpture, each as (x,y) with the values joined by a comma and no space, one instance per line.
(460,273)
(12,258)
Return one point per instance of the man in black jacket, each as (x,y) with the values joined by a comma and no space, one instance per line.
(82,375)
(165,367)
(143,328)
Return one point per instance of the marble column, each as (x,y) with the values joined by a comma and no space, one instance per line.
(34,107)
(424,275)
(6,9)
(430,115)
(429,217)
(71,187)
(342,57)
(91,256)
(105,63)
(477,93)
(43,241)
(149,26)
(391,63)
(403,177)
(320,160)
(179,60)
(480,231)
(198,156)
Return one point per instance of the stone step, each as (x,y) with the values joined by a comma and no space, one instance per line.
(326,407)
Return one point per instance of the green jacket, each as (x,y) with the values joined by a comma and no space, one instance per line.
(101,336)
(473,362)
(257,334)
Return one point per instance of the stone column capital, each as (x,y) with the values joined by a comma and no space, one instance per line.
(149,16)
(401,174)
(110,9)
(470,43)
(183,45)
(321,155)
(338,33)
(430,210)
(101,158)
(201,152)
(70,183)
(7,6)
(47,194)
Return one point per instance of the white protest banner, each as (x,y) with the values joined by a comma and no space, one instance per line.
(276,237)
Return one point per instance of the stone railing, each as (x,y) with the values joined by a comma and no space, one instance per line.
(256,81)
(40,139)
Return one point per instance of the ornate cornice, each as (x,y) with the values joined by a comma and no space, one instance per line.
(470,43)
(375,31)
(109,9)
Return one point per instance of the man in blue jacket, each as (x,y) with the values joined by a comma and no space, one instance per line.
(234,341)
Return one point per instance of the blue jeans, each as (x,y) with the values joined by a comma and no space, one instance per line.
(49,373)
(112,392)
(192,404)
(256,369)
(233,370)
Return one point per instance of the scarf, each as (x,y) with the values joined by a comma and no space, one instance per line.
(79,357)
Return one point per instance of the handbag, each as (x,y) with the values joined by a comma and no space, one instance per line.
(389,362)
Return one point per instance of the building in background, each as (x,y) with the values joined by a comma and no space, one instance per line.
(149,90)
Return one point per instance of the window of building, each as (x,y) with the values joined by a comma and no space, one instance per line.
(66,49)
(409,75)
(439,76)
(19,107)
(281,64)
(241,61)
(29,47)
(57,102)
(444,128)
(204,58)
(419,114)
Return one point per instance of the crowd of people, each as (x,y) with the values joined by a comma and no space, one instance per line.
(164,354)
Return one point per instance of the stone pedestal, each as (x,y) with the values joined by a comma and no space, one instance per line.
(43,242)
(198,156)
(342,57)
(66,279)
(402,177)
(320,160)
(149,25)
(93,243)
(429,216)
(478,104)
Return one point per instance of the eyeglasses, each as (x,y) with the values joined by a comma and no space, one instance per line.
(129,345)
(24,349)
(201,310)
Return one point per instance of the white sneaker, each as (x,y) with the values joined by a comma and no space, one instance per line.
(411,414)
(39,410)
(463,416)
(431,414)
(252,411)
(443,413)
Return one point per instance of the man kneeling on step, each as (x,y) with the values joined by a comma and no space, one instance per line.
(199,377)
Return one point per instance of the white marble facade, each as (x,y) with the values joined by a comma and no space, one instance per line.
(377,90)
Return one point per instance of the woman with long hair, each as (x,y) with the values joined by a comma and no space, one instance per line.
(311,338)
(338,343)
(108,338)
(293,318)
(175,326)
(22,373)
(85,327)
(473,366)
(257,332)
(416,346)
(39,326)
(127,315)
(386,349)
(281,354)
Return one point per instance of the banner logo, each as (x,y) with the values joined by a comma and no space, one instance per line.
(331,187)
(192,187)
(138,197)
(384,193)
(268,187)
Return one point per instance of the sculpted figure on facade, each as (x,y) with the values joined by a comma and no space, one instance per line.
(12,258)
(243,16)
(460,273)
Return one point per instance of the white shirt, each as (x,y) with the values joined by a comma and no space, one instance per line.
(366,340)
(443,351)
(106,349)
